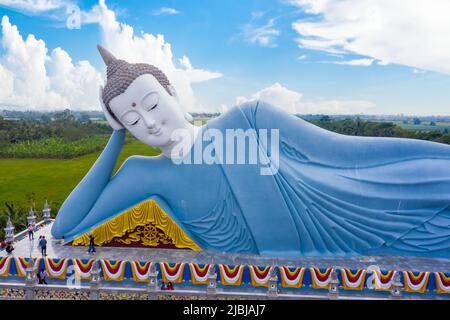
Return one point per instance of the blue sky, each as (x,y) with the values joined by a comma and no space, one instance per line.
(255,47)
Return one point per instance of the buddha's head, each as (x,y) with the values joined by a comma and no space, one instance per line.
(140,98)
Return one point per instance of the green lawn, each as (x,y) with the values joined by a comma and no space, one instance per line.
(51,179)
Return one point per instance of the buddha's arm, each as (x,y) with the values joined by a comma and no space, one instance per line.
(84,196)
(138,179)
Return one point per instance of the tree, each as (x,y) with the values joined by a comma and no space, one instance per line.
(64,116)
(45,118)
(432,123)
(4,141)
(417,121)
(17,215)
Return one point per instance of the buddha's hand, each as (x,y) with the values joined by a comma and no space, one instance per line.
(112,122)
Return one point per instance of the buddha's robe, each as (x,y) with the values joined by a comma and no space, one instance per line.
(331,195)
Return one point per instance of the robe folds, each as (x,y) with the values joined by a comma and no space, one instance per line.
(329,195)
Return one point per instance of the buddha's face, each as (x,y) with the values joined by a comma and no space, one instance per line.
(148,111)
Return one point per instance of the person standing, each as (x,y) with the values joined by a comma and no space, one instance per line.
(91,243)
(38,275)
(9,248)
(39,243)
(43,274)
(43,245)
(30,232)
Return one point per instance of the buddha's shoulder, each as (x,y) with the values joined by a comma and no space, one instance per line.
(258,109)
(260,113)
(144,163)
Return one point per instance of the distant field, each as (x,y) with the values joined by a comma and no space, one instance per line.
(200,121)
(424,126)
(100,121)
(51,179)
(54,148)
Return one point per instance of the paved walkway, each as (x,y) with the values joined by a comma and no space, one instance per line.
(27,248)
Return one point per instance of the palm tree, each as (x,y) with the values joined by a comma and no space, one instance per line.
(17,215)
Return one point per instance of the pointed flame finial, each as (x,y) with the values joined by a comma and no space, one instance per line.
(107,56)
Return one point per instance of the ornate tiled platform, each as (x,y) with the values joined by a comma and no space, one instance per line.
(233,275)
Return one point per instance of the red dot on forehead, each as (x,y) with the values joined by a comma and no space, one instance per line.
(133,104)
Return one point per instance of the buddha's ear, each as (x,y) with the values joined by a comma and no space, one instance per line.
(188,117)
(173,92)
(112,122)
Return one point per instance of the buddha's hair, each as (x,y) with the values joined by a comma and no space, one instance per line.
(120,74)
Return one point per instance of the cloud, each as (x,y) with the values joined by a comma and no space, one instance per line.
(34,6)
(78,83)
(277,95)
(196,75)
(365,62)
(122,41)
(257,14)
(292,102)
(254,32)
(165,11)
(33,79)
(418,71)
(412,33)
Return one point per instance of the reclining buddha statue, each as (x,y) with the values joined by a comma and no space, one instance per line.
(322,194)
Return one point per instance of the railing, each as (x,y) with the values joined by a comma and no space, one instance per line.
(24,233)
(15,291)
(264,282)
(94,282)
